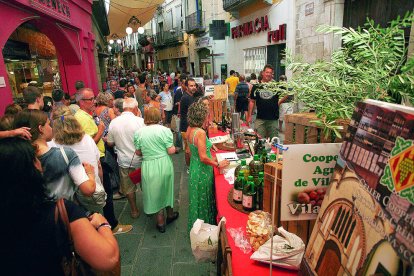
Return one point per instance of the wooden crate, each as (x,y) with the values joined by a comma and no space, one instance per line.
(301,228)
(300,130)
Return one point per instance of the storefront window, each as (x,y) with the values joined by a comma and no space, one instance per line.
(254,60)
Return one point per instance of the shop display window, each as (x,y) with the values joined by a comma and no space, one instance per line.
(254,60)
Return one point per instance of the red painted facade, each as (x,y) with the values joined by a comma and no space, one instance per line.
(68,24)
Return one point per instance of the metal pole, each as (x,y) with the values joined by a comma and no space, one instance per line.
(136,53)
(212,64)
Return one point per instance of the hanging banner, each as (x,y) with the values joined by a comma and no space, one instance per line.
(303,190)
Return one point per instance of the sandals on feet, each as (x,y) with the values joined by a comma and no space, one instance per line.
(161,228)
(135,215)
(174,217)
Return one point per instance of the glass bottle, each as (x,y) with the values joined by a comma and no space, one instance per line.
(256,166)
(259,191)
(249,196)
(263,156)
(242,167)
(223,122)
(238,188)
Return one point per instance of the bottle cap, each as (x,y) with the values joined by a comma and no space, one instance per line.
(260,174)
(241,174)
(243,162)
(273,156)
(250,178)
(256,157)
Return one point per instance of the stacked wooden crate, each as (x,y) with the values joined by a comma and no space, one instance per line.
(299,130)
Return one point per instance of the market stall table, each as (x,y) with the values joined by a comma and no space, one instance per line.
(241,262)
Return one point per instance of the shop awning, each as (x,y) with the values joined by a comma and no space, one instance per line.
(120,11)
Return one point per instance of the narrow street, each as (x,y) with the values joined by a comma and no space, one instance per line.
(145,251)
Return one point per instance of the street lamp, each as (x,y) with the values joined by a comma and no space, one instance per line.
(134,22)
(128,30)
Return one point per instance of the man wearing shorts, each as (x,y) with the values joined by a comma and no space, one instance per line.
(121,135)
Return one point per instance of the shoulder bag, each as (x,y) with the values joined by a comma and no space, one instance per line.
(135,175)
(73,264)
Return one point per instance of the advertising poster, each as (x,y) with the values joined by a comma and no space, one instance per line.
(307,172)
(220,92)
(209,90)
(366,222)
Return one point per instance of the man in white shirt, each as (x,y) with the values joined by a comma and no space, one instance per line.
(121,135)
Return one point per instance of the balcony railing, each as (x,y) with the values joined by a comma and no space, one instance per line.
(174,35)
(171,37)
(195,22)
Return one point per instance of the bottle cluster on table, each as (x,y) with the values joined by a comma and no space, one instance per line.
(249,181)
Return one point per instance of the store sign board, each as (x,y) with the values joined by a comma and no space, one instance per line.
(303,190)
(258,25)
(203,42)
(277,35)
(57,8)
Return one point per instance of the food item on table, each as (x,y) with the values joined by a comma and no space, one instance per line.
(258,228)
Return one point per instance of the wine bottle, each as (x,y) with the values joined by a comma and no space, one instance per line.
(238,188)
(249,196)
(263,156)
(242,168)
(256,166)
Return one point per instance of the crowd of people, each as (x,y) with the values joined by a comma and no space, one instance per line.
(83,147)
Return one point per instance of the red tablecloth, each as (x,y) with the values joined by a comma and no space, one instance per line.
(241,263)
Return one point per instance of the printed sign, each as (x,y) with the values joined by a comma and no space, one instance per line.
(209,90)
(199,80)
(365,225)
(304,190)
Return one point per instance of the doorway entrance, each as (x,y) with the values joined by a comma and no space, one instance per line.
(30,57)
(205,62)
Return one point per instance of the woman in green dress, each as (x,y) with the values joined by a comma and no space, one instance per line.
(155,143)
(202,198)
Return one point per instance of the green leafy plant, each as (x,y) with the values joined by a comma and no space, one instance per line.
(371,64)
